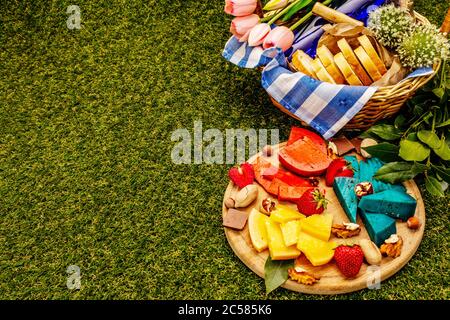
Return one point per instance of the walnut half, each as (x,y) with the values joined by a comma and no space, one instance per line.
(392,250)
(342,231)
(303,277)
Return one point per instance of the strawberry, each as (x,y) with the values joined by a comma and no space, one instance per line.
(349,259)
(338,168)
(346,172)
(312,202)
(243,175)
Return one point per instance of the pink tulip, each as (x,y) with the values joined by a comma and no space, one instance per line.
(281,37)
(240,26)
(257,34)
(239,8)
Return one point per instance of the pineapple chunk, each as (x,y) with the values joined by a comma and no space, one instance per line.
(290,232)
(257,229)
(317,251)
(318,225)
(283,214)
(277,248)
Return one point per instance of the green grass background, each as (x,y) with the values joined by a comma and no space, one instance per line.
(85,171)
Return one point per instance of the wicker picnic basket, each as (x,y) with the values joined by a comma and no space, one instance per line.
(386,101)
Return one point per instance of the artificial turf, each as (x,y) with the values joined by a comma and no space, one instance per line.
(86,176)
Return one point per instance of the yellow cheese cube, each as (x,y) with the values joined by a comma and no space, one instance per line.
(257,229)
(277,248)
(290,232)
(317,251)
(318,225)
(283,214)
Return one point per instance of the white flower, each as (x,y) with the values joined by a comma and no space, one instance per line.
(390,24)
(424,47)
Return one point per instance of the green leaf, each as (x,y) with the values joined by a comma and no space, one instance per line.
(297,7)
(444,124)
(412,136)
(276,273)
(399,121)
(430,138)
(395,172)
(385,151)
(443,151)
(443,172)
(413,151)
(439,92)
(434,186)
(418,110)
(386,131)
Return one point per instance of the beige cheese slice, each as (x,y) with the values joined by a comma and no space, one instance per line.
(321,72)
(303,63)
(327,59)
(370,50)
(368,64)
(347,71)
(353,61)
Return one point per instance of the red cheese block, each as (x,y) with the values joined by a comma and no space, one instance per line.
(288,193)
(305,158)
(259,167)
(275,185)
(287,177)
(300,133)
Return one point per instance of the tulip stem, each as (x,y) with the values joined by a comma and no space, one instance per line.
(265,19)
(278,15)
(307,16)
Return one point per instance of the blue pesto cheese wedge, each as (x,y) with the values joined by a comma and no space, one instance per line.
(379,226)
(355,166)
(345,190)
(394,203)
(379,186)
(365,170)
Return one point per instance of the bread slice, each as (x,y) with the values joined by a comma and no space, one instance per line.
(368,64)
(347,71)
(321,72)
(370,50)
(327,59)
(353,61)
(303,63)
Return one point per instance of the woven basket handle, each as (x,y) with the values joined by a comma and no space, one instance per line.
(446,24)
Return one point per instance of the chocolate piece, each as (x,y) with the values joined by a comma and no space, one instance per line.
(357,143)
(343,145)
(235,219)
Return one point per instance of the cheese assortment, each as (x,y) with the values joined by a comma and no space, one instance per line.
(357,66)
(295,224)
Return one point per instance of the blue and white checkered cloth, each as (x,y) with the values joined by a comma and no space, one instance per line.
(324,106)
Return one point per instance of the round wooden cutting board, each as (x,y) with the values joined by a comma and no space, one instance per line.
(331,281)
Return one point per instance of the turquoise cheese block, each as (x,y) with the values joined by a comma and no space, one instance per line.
(379,226)
(355,166)
(368,168)
(365,170)
(379,186)
(394,203)
(344,189)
